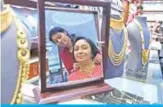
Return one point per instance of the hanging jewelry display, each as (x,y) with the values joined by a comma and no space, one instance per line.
(144,52)
(117,58)
(23,53)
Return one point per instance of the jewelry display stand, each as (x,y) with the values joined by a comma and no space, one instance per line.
(14,56)
(117,43)
(139,37)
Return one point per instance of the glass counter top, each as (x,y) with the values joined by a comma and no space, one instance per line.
(129,92)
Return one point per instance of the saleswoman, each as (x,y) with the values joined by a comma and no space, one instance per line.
(64,41)
(84,51)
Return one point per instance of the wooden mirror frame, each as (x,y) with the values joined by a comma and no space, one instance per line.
(42,48)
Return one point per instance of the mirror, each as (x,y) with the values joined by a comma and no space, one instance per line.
(72,52)
(72,49)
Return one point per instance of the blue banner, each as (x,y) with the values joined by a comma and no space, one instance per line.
(101,105)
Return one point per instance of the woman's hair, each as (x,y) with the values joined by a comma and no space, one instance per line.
(56,30)
(94,49)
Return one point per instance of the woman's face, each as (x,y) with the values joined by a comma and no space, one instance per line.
(82,51)
(61,39)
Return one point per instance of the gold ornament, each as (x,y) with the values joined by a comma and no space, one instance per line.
(22,43)
(23,53)
(18,101)
(20,34)
(117,24)
(117,58)
(87,68)
(6,18)
(145,52)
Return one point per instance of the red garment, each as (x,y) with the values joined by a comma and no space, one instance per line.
(97,72)
(67,59)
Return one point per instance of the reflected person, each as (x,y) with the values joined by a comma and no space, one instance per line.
(64,41)
(84,51)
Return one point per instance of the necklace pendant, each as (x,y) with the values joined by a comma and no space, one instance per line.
(145,54)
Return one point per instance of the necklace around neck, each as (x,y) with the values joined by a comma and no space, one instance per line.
(116,23)
(117,58)
(87,68)
(145,52)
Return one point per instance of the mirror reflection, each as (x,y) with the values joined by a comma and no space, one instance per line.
(72,50)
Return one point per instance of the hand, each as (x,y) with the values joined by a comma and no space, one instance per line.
(75,66)
(97,59)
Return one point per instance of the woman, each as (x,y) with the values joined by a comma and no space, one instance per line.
(64,40)
(84,51)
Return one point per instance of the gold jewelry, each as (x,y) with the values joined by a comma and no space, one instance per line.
(22,43)
(23,52)
(87,68)
(145,52)
(117,24)
(6,19)
(117,58)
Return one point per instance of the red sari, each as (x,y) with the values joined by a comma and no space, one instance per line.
(97,72)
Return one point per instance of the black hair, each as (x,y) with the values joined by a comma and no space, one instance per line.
(56,30)
(94,49)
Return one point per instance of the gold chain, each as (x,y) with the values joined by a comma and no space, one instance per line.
(88,68)
(145,52)
(117,58)
(23,55)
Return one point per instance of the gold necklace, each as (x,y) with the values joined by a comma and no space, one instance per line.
(116,24)
(145,52)
(87,68)
(117,58)
(23,55)
(6,18)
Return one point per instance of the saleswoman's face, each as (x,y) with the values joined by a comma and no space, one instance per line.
(82,51)
(61,39)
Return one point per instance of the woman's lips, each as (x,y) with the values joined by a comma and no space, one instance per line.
(80,56)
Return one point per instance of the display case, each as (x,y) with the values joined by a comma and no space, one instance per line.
(129,92)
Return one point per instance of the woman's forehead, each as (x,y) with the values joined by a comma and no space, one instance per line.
(81,42)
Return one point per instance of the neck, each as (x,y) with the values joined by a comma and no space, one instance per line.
(87,67)
(116,23)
